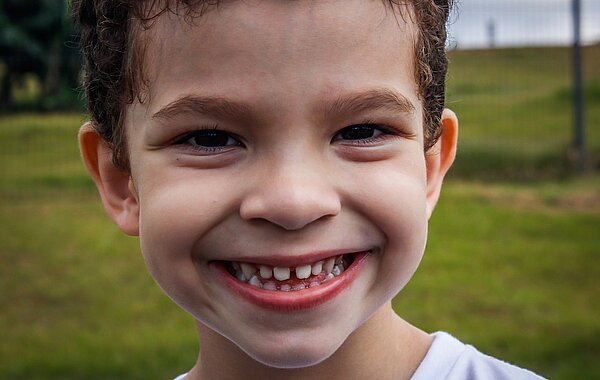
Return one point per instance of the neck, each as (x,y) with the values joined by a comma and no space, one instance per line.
(384,347)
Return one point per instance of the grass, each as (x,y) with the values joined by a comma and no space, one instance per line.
(511,265)
(516,114)
(514,270)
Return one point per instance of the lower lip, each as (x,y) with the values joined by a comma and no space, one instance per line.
(293,300)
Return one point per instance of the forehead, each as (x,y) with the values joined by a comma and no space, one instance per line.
(275,49)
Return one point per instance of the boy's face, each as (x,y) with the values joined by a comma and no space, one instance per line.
(280,134)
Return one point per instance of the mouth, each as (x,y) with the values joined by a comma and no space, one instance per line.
(290,279)
(287,289)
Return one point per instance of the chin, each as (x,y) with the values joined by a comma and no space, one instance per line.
(291,354)
(292,357)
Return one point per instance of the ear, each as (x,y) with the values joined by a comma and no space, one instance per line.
(440,157)
(115,185)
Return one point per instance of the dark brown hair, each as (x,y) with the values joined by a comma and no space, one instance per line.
(113,56)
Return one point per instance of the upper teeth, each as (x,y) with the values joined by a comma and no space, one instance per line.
(281,273)
(316,268)
(328,265)
(258,275)
(248,270)
(303,271)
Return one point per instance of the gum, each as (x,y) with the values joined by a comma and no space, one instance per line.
(294,281)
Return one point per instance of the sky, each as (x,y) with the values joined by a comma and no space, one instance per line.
(521,23)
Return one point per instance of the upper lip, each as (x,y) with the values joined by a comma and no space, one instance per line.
(280,260)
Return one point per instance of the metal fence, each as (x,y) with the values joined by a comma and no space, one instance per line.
(513,83)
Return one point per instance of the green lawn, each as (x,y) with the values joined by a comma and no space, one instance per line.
(514,269)
(515,110)
(511,267)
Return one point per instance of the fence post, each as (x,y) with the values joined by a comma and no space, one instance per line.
(581,157)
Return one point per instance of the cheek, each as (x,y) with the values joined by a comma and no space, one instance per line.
(402,217)
(396,204)
(177,210)
(174,215)
(393,196)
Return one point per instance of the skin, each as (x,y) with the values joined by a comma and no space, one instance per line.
(287,182)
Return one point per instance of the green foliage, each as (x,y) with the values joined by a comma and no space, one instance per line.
(37,38)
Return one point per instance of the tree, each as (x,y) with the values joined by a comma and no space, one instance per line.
(32,40)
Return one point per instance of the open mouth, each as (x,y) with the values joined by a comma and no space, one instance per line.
(289,279)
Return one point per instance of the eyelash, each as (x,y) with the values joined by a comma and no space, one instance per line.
(386,132)
(184,139)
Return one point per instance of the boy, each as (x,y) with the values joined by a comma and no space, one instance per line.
(279,161)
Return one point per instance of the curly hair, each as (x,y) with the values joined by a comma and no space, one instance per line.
(113,59)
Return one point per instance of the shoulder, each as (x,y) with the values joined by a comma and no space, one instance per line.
(450,359)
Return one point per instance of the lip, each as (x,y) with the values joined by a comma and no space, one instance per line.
(296,300)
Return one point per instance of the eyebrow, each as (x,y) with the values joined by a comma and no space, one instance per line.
(375,99)
(347,104)
(211,106)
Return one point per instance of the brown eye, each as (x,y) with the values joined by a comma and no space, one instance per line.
(360,132)
(210,139)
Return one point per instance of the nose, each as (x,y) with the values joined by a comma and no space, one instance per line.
(291,196)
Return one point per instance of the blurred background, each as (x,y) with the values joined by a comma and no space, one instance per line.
(512,262)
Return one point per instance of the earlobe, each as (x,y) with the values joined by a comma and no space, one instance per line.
(440,157)
(114,185)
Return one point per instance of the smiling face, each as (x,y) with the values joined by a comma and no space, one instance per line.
(278,173)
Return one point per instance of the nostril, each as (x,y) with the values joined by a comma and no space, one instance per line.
(292,211)
(290,194)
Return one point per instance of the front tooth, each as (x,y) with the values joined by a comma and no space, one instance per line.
(248,269)
(303,271)
(266,272)
(270,285)
(317,268)
(328,266)
(281,274)
(285,287)
(254,281)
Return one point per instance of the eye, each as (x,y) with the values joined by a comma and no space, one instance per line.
(361,132)
(209,138)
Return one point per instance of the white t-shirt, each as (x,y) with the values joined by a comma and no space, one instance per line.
(450,359)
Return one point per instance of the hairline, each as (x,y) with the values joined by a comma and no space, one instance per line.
(136,87)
